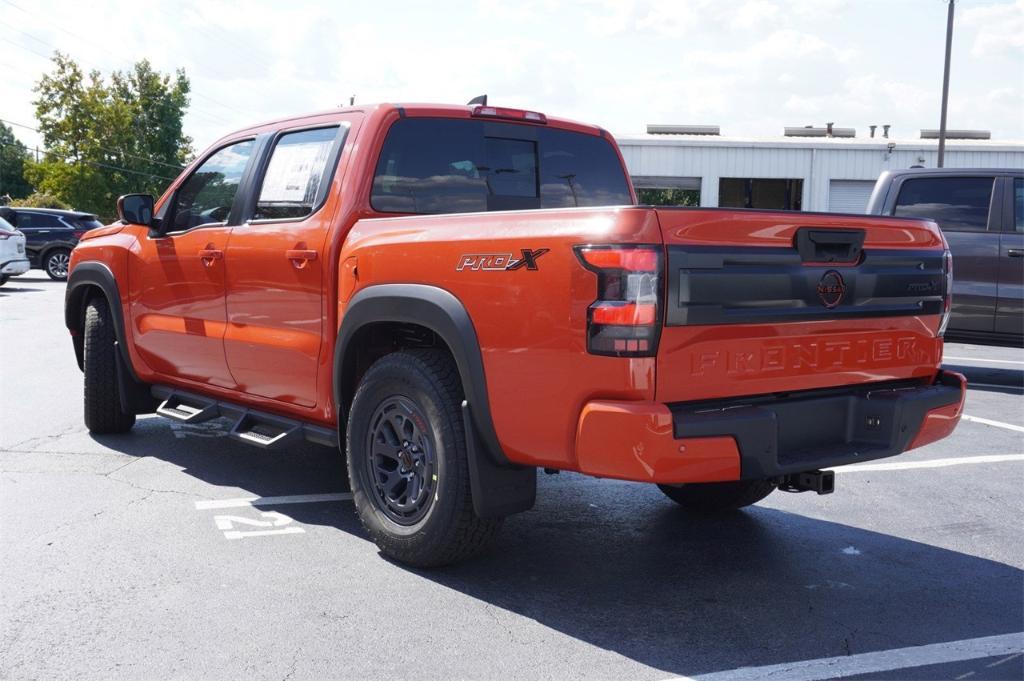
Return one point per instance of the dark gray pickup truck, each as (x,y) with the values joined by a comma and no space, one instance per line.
(981,213)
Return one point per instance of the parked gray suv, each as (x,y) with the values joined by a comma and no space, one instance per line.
(981,212)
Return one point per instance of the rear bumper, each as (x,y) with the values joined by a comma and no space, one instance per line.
(766,436)
(14,267)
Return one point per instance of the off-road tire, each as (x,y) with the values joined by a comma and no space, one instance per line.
(712,497)
(450,531)
(103,412)
(55,271)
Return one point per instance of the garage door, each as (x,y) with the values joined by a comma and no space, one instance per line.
(849,196)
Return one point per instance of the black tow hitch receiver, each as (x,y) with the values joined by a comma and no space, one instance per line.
(822,482)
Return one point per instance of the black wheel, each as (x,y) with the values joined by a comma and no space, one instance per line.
(709,497)
(407,461)
(56,264)
(103,413)
(3,280)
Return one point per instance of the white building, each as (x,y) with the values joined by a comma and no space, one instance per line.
(809,171)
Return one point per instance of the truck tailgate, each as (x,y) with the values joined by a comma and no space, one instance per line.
(765,302)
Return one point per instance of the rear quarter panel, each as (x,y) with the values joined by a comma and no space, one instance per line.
(531,324)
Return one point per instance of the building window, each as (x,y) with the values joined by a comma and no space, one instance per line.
(668,196)
(748,192)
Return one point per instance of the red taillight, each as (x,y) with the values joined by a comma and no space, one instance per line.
(512,114)
(947,298)
(623,314)
(624,320)
(78,233)
(629,259)
(4,236)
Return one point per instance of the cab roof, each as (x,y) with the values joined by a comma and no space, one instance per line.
(422,110)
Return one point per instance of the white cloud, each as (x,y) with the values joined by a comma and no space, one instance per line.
(998,30)
(756,14)
(750,66)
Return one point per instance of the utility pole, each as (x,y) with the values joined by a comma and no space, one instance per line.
(945,83)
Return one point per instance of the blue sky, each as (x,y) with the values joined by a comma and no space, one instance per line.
(750,66)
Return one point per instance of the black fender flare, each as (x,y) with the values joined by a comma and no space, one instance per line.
(83,277)
(134,393)
(499,486)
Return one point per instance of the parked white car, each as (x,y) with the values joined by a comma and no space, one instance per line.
(13,260)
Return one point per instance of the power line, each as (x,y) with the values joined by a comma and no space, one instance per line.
(105,149)
(95,163)
(191,110)
(25,11)
(27,49)
(122,60)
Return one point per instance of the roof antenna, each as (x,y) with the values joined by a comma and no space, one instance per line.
(481,100)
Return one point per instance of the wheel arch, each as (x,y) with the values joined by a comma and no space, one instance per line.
(427,307)
(43,253)
(500,487)
(86,281)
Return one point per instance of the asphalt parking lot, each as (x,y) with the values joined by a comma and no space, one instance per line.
(172,552)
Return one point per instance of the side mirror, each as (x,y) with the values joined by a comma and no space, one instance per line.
(136,209)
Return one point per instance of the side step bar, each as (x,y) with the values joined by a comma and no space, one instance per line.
(193,411)
(257,428)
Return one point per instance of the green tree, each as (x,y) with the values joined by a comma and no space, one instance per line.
(104,139)
(668,197)
(13,156)
(40,200)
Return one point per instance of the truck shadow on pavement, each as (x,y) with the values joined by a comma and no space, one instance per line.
(617,566)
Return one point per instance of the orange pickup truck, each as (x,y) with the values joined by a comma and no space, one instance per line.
(456,296)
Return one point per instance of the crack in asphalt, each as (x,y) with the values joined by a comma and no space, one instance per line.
(292,666)
(68,430)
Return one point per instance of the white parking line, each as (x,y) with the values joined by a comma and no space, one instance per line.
(990,422)
(270,501)
(982,361)
(872,663)
(235,534)
(933,463)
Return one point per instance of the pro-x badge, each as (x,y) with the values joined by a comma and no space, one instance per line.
(500,261)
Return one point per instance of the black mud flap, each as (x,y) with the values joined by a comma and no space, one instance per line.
(135,396)
(497,491)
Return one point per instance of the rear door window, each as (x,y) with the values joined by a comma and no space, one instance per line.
(87,222)
(434,165)
(40,221)
(958,204)
(294,183)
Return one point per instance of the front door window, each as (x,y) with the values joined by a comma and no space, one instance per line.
(207,195)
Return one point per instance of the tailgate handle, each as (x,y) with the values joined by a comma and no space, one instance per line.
(829,245)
